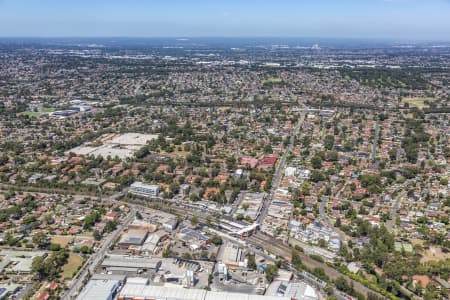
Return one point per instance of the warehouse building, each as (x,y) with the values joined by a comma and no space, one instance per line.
(134,237)
(100,290)
(118,264)
(135,292)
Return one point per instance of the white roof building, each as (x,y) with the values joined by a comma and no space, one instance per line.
(292,290)
(99,290)
(132,292)
(290,171)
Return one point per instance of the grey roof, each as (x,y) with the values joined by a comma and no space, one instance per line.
(177,293)
(99,289)
(137,263)
(108,277)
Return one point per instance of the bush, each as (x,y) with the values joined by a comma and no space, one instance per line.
(317,257)
(216,240)
(55,247)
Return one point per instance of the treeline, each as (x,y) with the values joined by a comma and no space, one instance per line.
(414,137)
(391,78)
(330,103)
(145,100)
(437,110)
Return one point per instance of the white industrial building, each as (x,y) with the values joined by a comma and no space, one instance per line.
(122,146)
(134,292)
(290,171)
(292,290)
(81,108)
(100,290)
(143,189)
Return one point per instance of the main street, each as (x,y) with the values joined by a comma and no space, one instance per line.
(92,263)
(326,218)
(261,243)
(279,170)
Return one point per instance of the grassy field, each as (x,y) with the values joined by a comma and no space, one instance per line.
(62,240)
(73,263)
(176,153)
(418,102)
(272,80)
(434,253)
(37,114)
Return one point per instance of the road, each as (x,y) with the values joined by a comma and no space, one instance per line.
(92,263)
(265,242)
(322,211)
(394,211)
(375,139)
(279,171)
(261,243)
(326,219)
(274,247)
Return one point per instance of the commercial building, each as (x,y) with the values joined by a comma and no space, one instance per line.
(122,146)
(292,290)
(136,291)
(145,190)
(232,256)
(100,290)
(134,237)
(251,205)
(118,264)
(80,108)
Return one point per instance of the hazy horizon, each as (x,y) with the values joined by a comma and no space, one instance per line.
(412,20)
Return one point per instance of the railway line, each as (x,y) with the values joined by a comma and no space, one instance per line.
(258,241)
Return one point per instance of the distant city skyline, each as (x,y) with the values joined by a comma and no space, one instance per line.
(372,19)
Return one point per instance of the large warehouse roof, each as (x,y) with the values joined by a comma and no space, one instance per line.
(99,289)
(134,291)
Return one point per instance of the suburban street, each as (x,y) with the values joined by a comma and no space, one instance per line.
(96,258)
(390,224)
(326,219)
(279,170)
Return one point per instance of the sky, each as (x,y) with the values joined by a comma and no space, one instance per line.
(369,19)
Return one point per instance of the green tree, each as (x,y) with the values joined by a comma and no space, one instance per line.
(194,221)
(271,271)
(329,142)
(55,247)
(317,176)
(194,197)
(86,249)
(41,240)
(268,149)
(316,162)
(216,240)
(110,226)
(251,262)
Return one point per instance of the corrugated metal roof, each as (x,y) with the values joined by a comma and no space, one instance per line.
(160,292)
(98,289)
(178,293)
